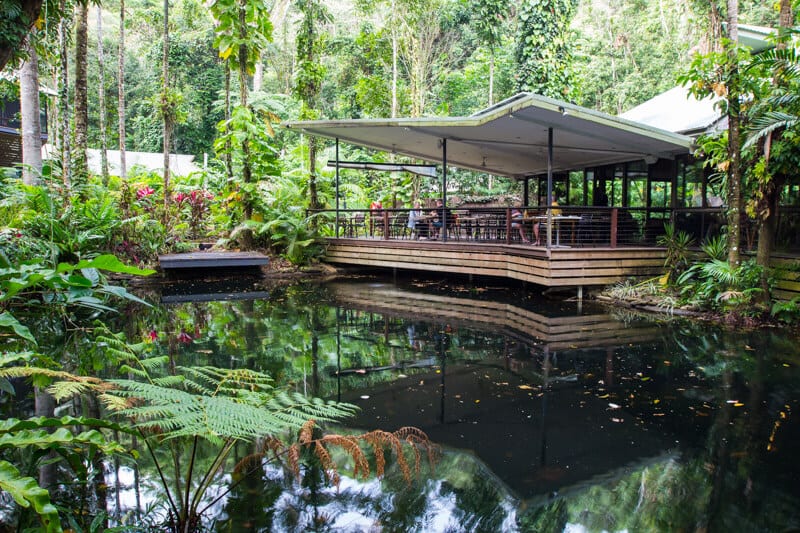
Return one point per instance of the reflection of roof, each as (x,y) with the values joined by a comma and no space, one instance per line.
(678,111)
(510,138)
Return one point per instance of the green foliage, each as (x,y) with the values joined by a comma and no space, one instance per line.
(716,247)
(219,404)
(678,245)
(543,47)
(716,285)
(786,311)
(67,284)
(26,492)
(241,24)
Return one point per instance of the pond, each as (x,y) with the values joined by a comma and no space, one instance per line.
(549,415)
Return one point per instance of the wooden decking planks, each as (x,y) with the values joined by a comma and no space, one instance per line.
(202,260)
(556,267)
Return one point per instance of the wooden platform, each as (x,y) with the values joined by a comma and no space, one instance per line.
(557,267)
(201,260)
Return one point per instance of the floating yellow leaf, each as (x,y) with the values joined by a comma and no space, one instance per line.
(604,396)
(738,404)
(525,387)
(477,401)
(656,401)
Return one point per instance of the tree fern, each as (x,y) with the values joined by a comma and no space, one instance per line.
(216,404)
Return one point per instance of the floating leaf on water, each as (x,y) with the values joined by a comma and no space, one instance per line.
(617,420)
(525,387)
(604,396)
(738,404)
(477,401)
(365,396)
(401,376)
(614,406)
(656,401)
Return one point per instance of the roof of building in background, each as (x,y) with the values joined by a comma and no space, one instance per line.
(678,111)
(179,165)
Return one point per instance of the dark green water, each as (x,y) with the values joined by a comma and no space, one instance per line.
(550,416)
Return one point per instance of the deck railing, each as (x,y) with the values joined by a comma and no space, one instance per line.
(578,226)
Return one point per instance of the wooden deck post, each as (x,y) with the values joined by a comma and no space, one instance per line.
(614,213)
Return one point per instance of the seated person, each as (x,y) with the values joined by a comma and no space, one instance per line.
(413,216)
(537,225)
(518,223)
(443,215)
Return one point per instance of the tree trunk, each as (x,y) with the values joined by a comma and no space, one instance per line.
(31,122)
(45,405)
(734,142)
(166,109)
(101,99)
(80,166)
(246,171)
(491,79)
(228,156)
(771,196)
(123,171)
(394,60)
(65,144)
(247,235)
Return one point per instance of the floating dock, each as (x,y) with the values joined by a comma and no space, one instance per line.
(204,260)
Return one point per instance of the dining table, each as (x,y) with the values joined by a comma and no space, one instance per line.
(557,221)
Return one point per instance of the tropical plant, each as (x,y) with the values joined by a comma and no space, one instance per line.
(78,284)
(678,244)
(543,52)
(193,407)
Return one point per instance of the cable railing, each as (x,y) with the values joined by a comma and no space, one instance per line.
(559,226)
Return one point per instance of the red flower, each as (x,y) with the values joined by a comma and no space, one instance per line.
(185,338)
(153,335)
(144,192)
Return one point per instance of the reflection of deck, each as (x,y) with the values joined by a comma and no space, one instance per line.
(557,332)
(556,267)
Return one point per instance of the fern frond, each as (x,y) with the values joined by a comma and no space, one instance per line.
(34,371)
(328,466)
(293,460)
(351,447)
(306,432)
(248,463)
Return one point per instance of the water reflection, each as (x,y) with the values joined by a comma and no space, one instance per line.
(550,417)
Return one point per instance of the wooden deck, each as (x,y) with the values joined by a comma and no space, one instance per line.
(557,267)
(204,260)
